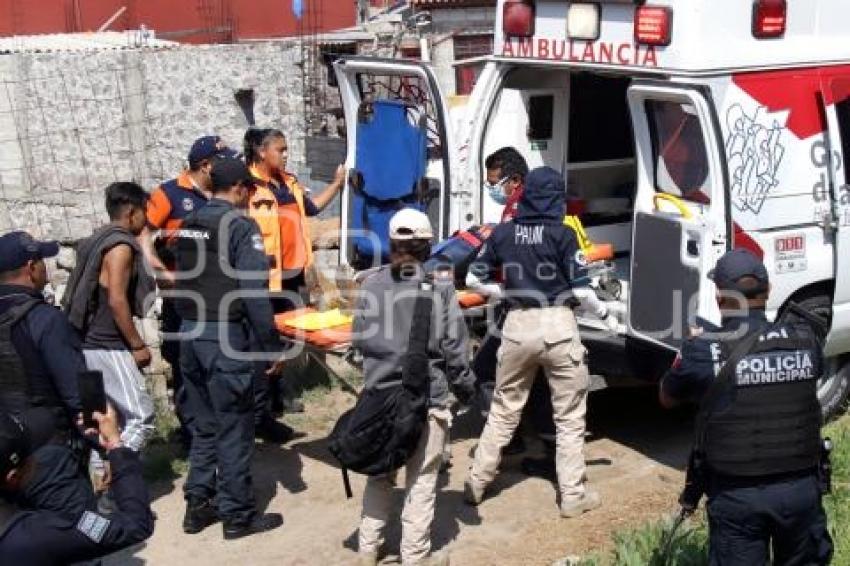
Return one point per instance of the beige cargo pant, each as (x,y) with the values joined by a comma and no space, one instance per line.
(534,338)
(420,495)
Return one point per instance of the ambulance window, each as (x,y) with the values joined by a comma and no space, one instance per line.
(540,115)
(678,149)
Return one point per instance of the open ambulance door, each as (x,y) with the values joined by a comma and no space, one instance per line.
(680,224)
(836,97)
(399,152)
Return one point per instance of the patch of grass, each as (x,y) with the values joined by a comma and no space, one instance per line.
(163,456)
(164,462)
(838,502)
(648,545)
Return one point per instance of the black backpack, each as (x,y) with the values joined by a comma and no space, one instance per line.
(15,391)
(382,431)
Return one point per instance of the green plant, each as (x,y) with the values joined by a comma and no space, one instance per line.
(651,545)
(838,502)
(162,457)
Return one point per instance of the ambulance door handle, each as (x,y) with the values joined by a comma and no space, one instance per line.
(692,246)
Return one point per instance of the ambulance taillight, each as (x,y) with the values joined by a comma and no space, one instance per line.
(769,17)
(518,18)
(653,25)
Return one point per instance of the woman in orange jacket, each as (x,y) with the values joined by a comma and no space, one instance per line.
(280,206)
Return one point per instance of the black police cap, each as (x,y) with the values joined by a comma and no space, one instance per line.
(229,171)
(734,266)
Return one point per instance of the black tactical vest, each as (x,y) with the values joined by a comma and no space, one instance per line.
(765,419)
(202,247)
(18,392)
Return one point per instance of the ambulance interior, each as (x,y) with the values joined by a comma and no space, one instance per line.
(580,123)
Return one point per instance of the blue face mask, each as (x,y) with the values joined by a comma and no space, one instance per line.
(497,191)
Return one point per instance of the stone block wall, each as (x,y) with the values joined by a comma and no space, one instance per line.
(73,122)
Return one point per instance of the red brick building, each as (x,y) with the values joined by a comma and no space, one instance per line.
(192,21)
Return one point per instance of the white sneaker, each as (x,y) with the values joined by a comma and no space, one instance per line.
(574,507)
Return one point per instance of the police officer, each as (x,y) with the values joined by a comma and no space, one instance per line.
(226,303)
(39,349)
(59,522)
(758,429)
(540,261)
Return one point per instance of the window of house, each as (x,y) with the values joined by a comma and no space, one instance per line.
(468,47)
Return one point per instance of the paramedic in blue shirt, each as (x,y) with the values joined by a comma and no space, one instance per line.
(542,267)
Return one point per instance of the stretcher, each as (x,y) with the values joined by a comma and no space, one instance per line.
(330,331)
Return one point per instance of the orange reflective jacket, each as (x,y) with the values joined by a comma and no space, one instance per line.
(283,225)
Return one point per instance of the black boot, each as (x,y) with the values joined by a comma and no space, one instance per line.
(259,524)
(200,514)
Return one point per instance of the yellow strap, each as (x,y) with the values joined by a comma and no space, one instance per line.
(572,221)
(675,201)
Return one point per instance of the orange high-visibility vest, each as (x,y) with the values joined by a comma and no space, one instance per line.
(262,207)
(284,227)
(294,228)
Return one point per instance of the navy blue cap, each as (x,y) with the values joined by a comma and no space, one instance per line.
(229,171)
(734,265)
(17,248)
(208,147)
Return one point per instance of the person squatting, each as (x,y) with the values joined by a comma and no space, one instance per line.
(226,246)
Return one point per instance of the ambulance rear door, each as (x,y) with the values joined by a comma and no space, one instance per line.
(398,132)
(680,224)
(836,97)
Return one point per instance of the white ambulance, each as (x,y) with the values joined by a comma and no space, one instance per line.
(684,128)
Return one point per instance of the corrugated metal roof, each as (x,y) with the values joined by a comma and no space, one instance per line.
(94,41)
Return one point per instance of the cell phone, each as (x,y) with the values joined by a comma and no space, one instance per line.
(92,396)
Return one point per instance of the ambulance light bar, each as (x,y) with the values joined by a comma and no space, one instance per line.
(653,25)
(583,22)
(769,17)
(518,18)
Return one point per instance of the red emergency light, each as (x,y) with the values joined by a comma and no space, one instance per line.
(769,17)
(518,18)
(653,25)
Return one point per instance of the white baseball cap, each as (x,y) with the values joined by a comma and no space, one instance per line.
(410,224)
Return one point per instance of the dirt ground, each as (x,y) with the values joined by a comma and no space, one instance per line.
(635,452)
